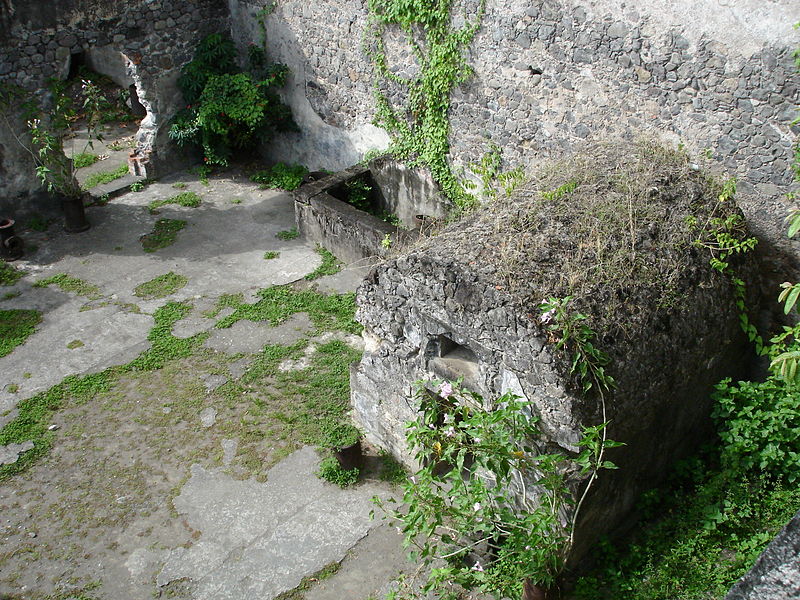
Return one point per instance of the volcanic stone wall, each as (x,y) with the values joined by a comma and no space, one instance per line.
(716,77)
(443,311)
(39,38)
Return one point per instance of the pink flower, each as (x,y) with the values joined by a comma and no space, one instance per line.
(548,316)
(446,390)
(477,567)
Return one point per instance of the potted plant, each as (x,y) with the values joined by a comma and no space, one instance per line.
(47,128)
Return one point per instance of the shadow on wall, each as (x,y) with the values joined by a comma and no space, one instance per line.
(318,145)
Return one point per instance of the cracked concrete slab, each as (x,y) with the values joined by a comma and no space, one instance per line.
(260,539)
(248,337)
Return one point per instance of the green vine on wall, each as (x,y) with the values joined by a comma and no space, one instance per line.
(421,127)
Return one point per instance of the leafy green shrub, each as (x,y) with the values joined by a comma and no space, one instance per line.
(330,470)
(358,192)
(281,176)
(453,506)
(709,532)
(16,326)
(760,426)
(187,199)
(84,159)
(271,254)
(227,109)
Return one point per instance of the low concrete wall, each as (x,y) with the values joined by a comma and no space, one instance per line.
(408,192)
(352,234)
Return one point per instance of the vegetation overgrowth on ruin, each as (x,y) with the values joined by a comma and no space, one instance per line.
(705,528)
(456,508)
(228,109)
(420,125)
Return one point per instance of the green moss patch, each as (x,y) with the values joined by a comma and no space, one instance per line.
(187,199)
(68,283)
(330,265)
(105,177)
(16,326)
(164,234)
(161,286)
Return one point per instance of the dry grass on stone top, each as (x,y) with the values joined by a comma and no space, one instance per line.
(609,226)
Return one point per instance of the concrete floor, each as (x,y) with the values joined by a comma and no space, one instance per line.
(114,513)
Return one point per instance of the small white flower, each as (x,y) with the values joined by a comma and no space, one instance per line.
(446,390)
(450,432)
(548,316)
(476,440)
(448,418)
(477,567)
(476,507)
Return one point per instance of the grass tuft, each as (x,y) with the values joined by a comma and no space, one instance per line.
(105,177)
(84,159)
(9,275)
(187,199)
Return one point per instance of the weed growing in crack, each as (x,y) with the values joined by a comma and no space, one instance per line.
(330,265)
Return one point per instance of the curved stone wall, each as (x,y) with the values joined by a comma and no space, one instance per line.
(154,37)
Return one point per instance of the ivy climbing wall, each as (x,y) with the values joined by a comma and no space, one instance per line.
(549,74)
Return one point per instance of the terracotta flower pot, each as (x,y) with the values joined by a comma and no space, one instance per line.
(350,457)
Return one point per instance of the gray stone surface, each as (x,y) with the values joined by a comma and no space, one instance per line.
(776,574)
(10,454)
(250,336)
(260,538)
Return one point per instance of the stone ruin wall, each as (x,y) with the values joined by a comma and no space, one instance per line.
(157,37)
(407,303)
(718,77)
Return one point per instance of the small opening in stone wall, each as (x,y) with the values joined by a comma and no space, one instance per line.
(451,360)
(76,61)
(535,71)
